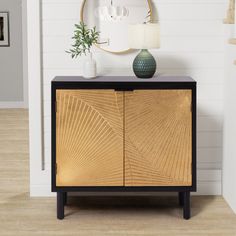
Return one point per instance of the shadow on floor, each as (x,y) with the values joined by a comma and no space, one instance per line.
(135,205)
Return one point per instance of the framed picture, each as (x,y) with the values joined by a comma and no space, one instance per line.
(4,29)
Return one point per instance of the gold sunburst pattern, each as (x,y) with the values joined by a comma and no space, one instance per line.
(158,129)
(89,138)
(108,138)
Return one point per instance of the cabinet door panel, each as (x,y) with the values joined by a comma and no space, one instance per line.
(89,138)
(158,138)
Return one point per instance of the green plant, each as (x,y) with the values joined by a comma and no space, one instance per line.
(84,39)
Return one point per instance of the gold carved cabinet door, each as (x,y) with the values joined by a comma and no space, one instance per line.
(89,138)
(158,138)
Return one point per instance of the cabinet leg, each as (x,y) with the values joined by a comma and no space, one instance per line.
(65,198)
(60,205)
(186,208)
(181,198)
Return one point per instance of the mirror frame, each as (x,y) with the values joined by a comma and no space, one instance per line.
(110,51)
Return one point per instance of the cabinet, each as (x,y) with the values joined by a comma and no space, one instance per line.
(124,134)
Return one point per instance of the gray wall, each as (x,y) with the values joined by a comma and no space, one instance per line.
(11,65)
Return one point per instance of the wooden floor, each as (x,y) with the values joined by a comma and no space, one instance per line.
(21,215)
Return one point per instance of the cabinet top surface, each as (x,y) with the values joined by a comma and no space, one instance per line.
(123,79)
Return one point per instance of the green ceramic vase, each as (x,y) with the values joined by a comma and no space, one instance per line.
(144,65)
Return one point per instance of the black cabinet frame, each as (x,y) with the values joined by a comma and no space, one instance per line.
(127,83)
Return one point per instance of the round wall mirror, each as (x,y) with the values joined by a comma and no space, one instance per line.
(112,17)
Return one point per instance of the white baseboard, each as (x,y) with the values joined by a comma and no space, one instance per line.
(5,105)
(231,202)
(41,191)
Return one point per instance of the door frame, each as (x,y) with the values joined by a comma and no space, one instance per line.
(33,73)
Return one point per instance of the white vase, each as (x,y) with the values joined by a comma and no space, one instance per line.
(89,67)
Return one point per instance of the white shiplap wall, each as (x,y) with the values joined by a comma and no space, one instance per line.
(192,43)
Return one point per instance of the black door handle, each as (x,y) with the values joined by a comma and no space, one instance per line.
(124,89)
